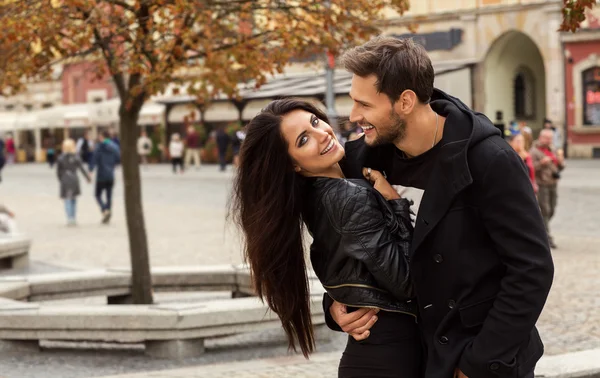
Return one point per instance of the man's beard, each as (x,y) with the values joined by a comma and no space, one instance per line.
(392,134)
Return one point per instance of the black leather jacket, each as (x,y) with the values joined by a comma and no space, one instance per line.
(361,244)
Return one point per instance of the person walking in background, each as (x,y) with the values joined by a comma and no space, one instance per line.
(7,223)
(10,149)
(557,141)
(236,143)
(192,144)
(2,156)
(67,166)
(548,163)
(144,147)
(114,136)
(223,141)
(176,152)
(106,157)
(517,142)
(85,146)
(50,152)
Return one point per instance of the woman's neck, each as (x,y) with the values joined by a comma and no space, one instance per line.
(335,171)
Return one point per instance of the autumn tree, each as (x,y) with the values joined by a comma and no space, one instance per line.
(574,13)
(206,46)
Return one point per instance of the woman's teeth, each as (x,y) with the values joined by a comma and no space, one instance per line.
(329,147)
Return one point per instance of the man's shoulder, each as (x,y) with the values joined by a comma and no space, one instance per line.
(482,154)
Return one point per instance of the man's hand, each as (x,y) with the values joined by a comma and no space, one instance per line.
(459,374)
(546,160)
(357,324)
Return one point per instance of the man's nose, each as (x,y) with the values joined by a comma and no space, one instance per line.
(354,114)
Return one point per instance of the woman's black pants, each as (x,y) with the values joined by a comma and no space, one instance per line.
(393,350)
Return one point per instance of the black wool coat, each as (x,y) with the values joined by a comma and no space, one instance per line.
(480,259)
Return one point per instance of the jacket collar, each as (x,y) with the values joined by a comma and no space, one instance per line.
(450,176)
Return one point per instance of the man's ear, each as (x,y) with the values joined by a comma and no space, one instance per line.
(406,103)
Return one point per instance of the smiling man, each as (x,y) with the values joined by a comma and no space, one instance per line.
(479,259)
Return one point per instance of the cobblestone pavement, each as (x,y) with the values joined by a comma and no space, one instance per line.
(185,220)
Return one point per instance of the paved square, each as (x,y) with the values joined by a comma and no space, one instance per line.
(185,217)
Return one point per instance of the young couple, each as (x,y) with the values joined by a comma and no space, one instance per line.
(426,232)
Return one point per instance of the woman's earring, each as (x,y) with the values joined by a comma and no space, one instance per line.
(297,169)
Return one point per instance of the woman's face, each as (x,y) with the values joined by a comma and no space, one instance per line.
(518,143)
(312,145)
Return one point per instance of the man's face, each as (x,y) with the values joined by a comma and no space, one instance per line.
(546,138)
(547,125)
(375,113)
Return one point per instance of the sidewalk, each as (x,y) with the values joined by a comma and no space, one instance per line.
(584,364)
(322,365)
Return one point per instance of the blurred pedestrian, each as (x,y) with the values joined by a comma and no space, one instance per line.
(557,141)
(517,142)
(144,147)
(223,141)
(10,148)
(192,144)
(2,156)
(176,152)
(548,164)
(67,166)
(50,151)
(106,157)
(114,136)
(85,146)
(236,144)
(7,223)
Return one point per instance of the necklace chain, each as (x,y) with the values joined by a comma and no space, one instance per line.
(437,119)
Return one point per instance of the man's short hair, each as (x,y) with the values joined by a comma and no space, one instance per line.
(398,64)
(106,134)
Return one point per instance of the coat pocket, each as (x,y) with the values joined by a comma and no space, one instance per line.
(475,314)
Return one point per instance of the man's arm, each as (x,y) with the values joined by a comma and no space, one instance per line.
(512,218)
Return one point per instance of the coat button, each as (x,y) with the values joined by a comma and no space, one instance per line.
(438,258)
(444,340)
(494,366)
(451,303)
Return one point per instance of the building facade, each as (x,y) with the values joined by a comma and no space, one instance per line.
(582,84)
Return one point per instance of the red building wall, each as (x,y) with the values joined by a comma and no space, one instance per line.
(79,78)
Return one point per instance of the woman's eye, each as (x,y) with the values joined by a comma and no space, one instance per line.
(315,122)
(303,141)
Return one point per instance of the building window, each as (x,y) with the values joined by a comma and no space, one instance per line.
(591,96)
(28,107)
(10,107)
(46,105)
(524,94)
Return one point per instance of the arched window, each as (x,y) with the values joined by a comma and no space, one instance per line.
(591,96)
(524,94)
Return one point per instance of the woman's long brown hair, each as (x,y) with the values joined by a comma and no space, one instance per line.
(267,206)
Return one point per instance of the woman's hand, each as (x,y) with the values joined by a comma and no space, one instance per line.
(380,184)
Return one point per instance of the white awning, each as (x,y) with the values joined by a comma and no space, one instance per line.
(253,107)
(8,121)
(152,114)
(343,105)
(179,112)
(221,112)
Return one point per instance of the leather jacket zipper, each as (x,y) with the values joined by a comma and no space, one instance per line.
(355,285)
(367,306)
(379,308)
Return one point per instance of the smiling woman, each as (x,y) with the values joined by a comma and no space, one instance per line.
(289,176)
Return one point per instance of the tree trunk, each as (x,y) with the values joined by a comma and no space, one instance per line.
(141,280)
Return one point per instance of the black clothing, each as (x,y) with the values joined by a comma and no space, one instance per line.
(480,258)
(360,244)
(177,162)
(101,187)
(392,350)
